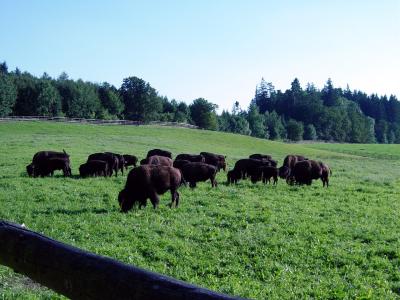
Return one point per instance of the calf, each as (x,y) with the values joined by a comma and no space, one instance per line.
(233,176)
(130,160)
(94,168)
(268,173)
(194,172)
(110,159)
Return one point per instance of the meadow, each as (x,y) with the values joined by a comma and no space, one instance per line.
(250,240)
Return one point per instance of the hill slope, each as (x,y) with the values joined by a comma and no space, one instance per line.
(249,240)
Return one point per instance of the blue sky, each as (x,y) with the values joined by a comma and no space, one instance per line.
(216,49)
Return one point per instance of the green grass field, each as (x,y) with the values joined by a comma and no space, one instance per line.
(254,241)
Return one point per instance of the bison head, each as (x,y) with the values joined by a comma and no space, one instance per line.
(30,170)
(125,202)
(284,172)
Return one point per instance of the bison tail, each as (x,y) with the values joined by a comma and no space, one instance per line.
(330,172)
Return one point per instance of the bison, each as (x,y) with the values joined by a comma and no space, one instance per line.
(249,166)
(130,160)
(306,171)
(194,172)
(38,165)
(269,172)
(111,160)
(46,167)
(159,152)
(217,160)
(233,176)
(149,181)
(157,160)
(94,168)
(121,161)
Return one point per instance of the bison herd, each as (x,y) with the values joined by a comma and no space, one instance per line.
(158,173)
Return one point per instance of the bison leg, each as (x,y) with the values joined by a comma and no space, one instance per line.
(192,184)
(275,180)
(175,198)
(155,200)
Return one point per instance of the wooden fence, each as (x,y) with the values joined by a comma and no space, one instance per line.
(79,274)
(95,121)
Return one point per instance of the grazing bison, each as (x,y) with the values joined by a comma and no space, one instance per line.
(38,165)
(159,152)
(194,172)
(268,173)
(121,161)
(46,167)
(110,159)
(285,172)
(216,160)
(306,171)
(191,157)
(233,176)
(157,160)
(261,156)
(149,181)
(130,160)
(249,166)
(94,168)
(291,160)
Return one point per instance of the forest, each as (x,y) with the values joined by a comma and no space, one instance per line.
(299,113)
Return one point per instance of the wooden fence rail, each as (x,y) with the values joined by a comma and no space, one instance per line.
(95,121)
(82,275)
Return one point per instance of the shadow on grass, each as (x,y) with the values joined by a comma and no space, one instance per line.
(72,212)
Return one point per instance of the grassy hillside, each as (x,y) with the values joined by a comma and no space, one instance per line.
(253,241)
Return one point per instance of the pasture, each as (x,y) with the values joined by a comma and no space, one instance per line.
(249,240)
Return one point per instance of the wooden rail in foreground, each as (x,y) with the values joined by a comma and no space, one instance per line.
(79,274)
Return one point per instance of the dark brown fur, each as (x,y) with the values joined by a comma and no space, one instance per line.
(217,160)
(233,176)
(261,156)
(157,160)
(149,181)
(94,168)
(130,160)
(194,172)
(46,167)
(306,171)
(190,157)
(159,152)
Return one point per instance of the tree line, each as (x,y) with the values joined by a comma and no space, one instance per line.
(330,114)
